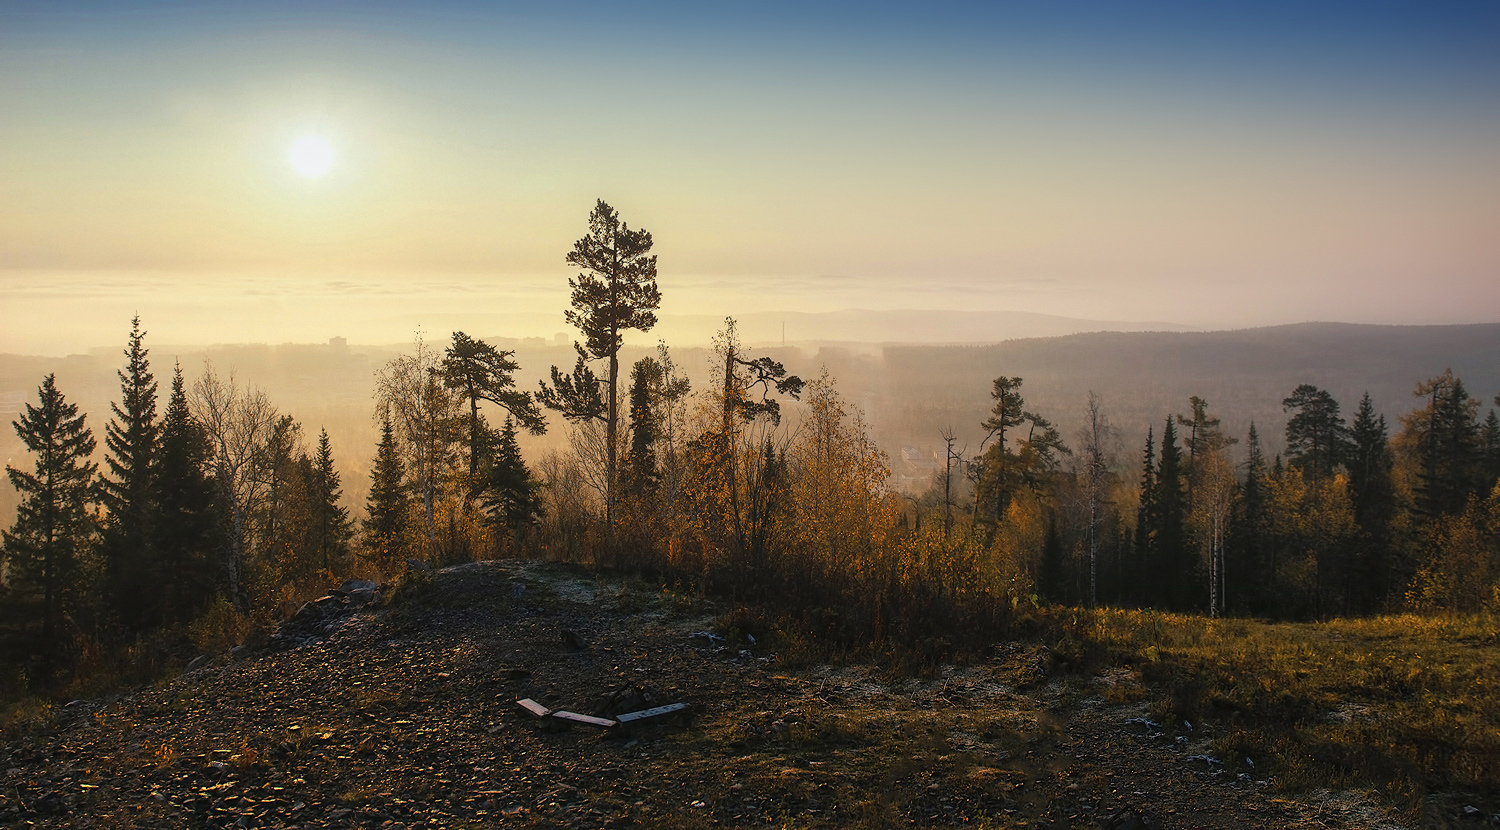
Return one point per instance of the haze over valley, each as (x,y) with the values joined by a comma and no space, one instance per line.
(817,415)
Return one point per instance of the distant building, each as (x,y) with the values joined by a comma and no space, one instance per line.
(338,342)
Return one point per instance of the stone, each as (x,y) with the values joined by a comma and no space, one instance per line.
(629,698)
(1132,819)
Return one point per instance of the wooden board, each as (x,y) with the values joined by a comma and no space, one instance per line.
(649,714)
(533,707)
(587,720)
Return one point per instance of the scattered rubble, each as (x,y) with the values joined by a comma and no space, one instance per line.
(428,716)
(317,619)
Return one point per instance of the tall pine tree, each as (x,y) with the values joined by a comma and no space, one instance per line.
(1489,442)
(129,491)
(388,506)
(1445,434)
(54,522)
(640,475)
(1248,566)
(511,495)
(1373,494)
(999,470)
(480,372)
(1317,442)
(614,291)
(186,528)
(331,528)
(1174,571)
(1139,584)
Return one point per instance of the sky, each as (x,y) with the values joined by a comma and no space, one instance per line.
(1208,164)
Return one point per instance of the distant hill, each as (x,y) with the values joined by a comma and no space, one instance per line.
(863,326)
(908,390)
(1144,376)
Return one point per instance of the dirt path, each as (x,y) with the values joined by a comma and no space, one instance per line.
(405,718)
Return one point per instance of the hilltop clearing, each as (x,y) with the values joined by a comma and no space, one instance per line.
(405,716)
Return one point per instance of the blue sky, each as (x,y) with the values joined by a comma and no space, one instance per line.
(1214,164)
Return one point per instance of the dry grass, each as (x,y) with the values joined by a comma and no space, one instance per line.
(1406,704)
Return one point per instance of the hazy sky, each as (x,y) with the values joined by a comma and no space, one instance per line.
(1214,164)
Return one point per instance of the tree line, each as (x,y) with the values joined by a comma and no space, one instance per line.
(220,511)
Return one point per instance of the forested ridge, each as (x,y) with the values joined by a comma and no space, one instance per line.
(192,517)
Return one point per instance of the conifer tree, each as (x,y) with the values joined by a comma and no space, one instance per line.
(54,521)
(480,372)
(998,468)
(331,526)
(614,291)
(1038,457)
(282,514)
(1247,568)
(129,491)
(1373,494)
(640,457)
(388,506)
(1317,442)
(511,495)
(1445,435)
(1204,437)
(1053,571)
(1174,570)
(1145,525)
(185,532)
(1489,442)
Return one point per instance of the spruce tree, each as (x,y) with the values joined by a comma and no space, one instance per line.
(388,506)
(1373,493)
(510,495)
(129,492)
(1145,526)
(1248,536)
(185,531)
(1054,571)
(1489,442)
(1175,562)
(54,521)
(281,517)
(640,478)
(1317,442)
(331,527)
(1446,433)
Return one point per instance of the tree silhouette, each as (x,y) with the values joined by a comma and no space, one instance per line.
(187,518)
(615,290)
(129,490)
(1317,442)
(331,527)
(480,372)
(53,520)
(388,505)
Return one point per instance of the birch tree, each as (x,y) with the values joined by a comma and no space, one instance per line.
(238,422)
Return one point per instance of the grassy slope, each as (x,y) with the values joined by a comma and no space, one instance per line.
(1404,703)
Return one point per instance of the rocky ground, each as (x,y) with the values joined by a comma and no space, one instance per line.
(405,716)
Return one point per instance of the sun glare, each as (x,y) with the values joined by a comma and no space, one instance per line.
(311,156)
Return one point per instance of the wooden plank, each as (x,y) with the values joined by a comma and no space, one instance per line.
(649,714)
(587,720)
(533,707)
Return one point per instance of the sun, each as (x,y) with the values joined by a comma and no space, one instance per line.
(311,156)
